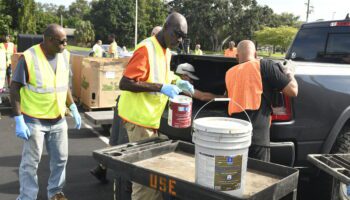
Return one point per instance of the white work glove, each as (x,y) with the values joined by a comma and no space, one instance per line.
(288,67)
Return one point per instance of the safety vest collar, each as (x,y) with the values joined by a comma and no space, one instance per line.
(36,53)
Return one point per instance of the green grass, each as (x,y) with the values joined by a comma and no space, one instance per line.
(276,55)
(76,48)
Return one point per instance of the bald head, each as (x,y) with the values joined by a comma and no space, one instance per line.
(156,30)
(174,30)
(53,30)
(55,39)
(246,51)
(175,19)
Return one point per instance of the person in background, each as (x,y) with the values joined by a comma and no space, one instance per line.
(186,72)
(197,50)
(156,30)
(10,49)
(112,51)
(147,84)
(231,51)
(39,96)
(97,49)
(250,84)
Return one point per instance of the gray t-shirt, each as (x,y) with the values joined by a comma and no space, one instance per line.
(20,75)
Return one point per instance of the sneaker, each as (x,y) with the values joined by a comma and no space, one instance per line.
(100,173)
(59,196)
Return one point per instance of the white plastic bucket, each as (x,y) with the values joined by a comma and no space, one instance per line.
(221,150)
(180,112)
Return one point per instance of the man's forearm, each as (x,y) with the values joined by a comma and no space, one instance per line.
(133,86)
(69,99)
(15,98)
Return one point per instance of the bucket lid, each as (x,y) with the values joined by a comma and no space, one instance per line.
(181,99)
(222,125)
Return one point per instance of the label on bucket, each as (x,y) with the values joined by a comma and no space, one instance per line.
(179,114)
(227,171)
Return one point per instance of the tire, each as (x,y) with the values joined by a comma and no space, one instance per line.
(342,144)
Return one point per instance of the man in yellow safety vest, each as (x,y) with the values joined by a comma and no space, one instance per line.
(113,51)
(10,49)
(39,96)
(147,84)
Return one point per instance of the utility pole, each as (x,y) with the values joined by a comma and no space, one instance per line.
(136,23)
(61,20)
(308,10)
(333,15)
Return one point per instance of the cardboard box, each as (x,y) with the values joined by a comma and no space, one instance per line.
(77,66)
(100,81)
(14,60)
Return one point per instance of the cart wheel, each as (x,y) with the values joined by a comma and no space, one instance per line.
(106,128)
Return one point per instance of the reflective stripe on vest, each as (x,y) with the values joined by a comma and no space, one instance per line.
(244,86)
(146,108)
(9,51)
(45,93)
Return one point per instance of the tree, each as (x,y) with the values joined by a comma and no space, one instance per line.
(118,17)
(78,10)
(5,23)
(26,16)
(280,36)
(213,22)
(84,33)
(45,14)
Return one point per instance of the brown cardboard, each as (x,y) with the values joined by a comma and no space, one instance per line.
(100,81)
(14,60)
(77,65)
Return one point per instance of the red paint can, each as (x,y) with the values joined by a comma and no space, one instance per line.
(180,112)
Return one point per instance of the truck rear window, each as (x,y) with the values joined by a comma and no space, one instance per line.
(321,45)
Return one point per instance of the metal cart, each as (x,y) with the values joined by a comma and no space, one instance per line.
(336,165)
(125,161)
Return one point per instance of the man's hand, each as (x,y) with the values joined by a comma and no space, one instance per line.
(22,130)
(76,115)
(170,90)
(185,86)
(288,67)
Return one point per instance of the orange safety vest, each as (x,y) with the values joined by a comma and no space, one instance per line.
(244,86)
(230,53)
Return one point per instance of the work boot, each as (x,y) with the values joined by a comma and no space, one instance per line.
(100,173)
(59,196)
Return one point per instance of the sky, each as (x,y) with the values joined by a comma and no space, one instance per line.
(323,9)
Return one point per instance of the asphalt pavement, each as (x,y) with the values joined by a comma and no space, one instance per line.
(79,183)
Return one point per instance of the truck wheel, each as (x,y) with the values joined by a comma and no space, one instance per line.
(342,144)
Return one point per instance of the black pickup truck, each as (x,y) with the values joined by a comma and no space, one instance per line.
(318,120)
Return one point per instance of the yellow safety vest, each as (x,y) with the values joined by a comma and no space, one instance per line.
(113,48)
(198,52)
(44,96)
(9,51)
(146,108)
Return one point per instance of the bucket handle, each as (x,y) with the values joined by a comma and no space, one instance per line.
(220,99)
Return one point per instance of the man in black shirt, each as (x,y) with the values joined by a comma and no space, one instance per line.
(251,84)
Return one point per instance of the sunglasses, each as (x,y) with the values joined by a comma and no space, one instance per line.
(180,34)
(64,41)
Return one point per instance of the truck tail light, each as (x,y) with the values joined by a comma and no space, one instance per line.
(340,24)
(282,110)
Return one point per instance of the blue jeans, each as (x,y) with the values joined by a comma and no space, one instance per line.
(56,141)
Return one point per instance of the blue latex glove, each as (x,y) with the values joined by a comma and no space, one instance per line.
(76,115)
(22,130)
(185,86)
(170,90)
